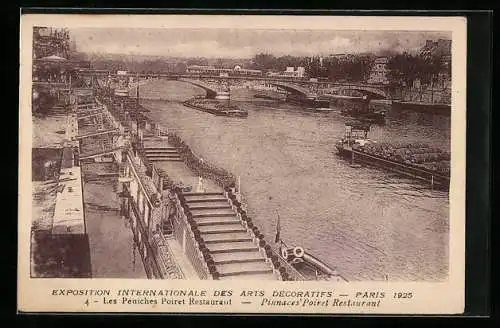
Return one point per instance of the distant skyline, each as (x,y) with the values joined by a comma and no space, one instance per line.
(246,43)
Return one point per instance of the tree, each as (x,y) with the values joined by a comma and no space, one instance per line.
(406,68)
(264,61)
(219,63)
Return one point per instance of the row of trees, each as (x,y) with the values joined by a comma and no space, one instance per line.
(407,68)
(354,68)
(403,67)
(146,66)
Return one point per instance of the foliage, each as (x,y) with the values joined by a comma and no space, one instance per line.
(355,68)
(407,68)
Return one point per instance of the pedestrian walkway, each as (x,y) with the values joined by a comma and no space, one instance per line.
(234,249)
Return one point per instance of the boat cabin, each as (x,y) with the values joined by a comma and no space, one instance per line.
(356,132)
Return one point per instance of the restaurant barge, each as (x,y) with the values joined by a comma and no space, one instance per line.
(356,135)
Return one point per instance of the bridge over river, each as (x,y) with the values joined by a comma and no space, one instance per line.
(298,86)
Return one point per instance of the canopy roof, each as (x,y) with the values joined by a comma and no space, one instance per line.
(53,58)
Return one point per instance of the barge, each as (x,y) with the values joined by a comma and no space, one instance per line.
(209,107)
(352,145)
(307,101)
(421,107)
(267,97)
(359,108)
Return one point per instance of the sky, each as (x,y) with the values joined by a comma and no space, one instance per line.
(245,43)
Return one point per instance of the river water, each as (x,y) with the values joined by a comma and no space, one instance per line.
(369,224)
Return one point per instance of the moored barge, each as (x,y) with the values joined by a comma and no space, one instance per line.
(215,107)
(354,145)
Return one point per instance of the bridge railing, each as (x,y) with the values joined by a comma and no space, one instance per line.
(168,266)
(431,96)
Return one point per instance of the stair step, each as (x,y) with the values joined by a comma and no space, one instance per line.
(216,221)
(231,250)
(223,212)
(162,155)
(222,228)
(210,215)
(244,268)
(165,160)
(237,246)
(202,194)
(161,148)
(210,207)
(242,260)
(246,272)
(256,277)
(207,200)
(232,240)
(160,151)
(226,237)
(237,256)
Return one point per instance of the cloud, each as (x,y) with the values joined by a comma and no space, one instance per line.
(245,43)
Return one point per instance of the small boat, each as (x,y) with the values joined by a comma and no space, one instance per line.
(323,109)
(310,266)
(121,92)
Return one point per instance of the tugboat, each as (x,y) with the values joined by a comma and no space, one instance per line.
(361,110)
(311,267)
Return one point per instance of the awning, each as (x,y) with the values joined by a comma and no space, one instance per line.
(53,58)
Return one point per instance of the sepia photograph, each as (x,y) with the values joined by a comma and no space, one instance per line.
(267,153)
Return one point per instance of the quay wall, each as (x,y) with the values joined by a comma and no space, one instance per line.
(167,195)
(144,203)
(60,248)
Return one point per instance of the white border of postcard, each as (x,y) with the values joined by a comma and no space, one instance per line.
(44,295)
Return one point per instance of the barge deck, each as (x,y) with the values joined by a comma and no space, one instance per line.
(235,113)
(435,179)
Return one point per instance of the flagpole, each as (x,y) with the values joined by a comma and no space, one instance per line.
(278,228)
(137,93)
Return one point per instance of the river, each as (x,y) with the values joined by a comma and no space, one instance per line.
(369,224)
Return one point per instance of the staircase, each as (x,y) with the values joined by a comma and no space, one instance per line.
(232,247)
(58,111)
(162,154)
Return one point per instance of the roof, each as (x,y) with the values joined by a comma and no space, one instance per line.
(53,58)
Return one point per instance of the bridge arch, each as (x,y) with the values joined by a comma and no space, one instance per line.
(374,92)
(211,92)
(292,88)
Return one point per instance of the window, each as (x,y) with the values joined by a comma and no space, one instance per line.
(146,213)
(140,203)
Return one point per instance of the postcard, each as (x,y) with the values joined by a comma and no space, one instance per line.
(242,164)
